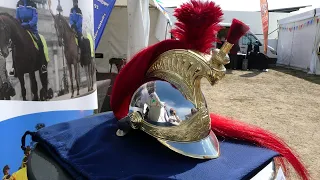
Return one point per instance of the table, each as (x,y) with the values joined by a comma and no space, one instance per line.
(42,166)
(238,160)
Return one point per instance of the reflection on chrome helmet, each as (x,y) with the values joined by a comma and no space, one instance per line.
(173,109)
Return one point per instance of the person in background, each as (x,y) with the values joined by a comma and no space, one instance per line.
(145,93)
(193,111)
(25,157)
(249,54)
(6,89)
(234,55)
(40,126)
(174,118)
(260,59)
(249,50)
(76,20)
(27,15)
(6,174)
(157,111)
(256,47)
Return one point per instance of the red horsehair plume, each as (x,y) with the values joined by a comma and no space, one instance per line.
(236,30)
(232,129)
(198,24)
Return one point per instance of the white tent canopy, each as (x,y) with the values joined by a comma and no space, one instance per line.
(115,39)
(130,28)
(298,48)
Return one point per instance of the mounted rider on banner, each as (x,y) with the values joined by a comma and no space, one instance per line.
(27,15)
(76,21)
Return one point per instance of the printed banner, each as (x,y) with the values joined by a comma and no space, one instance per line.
(102,11)
(43,78)
(265,22)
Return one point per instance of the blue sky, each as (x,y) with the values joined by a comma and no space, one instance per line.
(173,99)
(13,129)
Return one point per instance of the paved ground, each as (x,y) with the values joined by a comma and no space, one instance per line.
(82,92)
(286,102)
(16,84)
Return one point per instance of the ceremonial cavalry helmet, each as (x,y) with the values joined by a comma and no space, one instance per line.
(159,91)
(187,128)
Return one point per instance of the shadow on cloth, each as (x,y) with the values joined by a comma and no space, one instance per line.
(100,152)
(113,156)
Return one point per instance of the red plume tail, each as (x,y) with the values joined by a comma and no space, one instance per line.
(232,129)
(237,29)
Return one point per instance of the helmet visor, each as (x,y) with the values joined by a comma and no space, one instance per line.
(207,148)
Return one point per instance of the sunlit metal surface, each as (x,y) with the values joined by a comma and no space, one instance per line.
(162,105)
(207,148)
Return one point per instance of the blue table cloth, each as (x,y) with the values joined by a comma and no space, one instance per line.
(88,148)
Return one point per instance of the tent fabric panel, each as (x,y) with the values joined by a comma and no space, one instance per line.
(314,64)
(114,41)
(302,45)
(285,45)
(139,26)
(163,28)
(317,12)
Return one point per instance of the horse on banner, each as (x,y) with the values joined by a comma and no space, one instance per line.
(25,54)
(74,55)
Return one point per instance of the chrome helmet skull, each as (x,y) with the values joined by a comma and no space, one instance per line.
(172,108)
